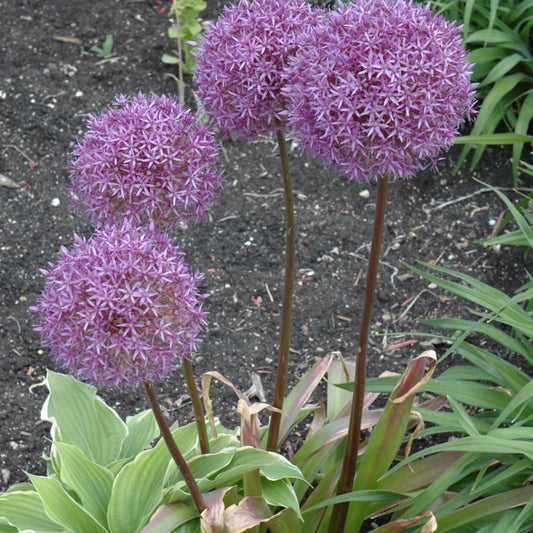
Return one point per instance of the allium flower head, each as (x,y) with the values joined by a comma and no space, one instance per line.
(379,88)
(121,307)
(146,159)
(241,60)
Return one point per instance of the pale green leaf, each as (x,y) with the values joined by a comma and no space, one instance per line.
(137,490)
(91,482)
(24,510)
(142,430)
(82,419)
(62,508)
(280,493)
(170,59)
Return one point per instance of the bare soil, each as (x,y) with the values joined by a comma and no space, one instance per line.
(51,81)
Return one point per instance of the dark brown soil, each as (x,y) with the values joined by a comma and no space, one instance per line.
(50,82)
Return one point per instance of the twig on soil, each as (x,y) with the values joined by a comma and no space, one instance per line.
(394,269)
(16,322)
(109,60)
(268,292)
(497,225)
(229,217)
(403,344)
(273,194)
(27,157)
(413,301)
(471,195)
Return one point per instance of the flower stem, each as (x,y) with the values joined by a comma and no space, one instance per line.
(290,240)
(181,95)
(354,432)
(197,497)
(196,405)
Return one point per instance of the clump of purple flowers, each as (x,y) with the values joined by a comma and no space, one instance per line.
(120,308)
(147,159)
(379,87)
(241,61)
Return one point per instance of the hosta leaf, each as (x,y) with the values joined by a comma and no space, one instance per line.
(272,465)
(91,482)
(62,508)
(138,488)
(24,510)
(142,430)
(280,493)
(82,419)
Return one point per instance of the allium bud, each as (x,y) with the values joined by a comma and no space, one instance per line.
(147,159)
(121,307)
(379,88)
(241,60)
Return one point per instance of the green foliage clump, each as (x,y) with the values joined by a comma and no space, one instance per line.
(190,32)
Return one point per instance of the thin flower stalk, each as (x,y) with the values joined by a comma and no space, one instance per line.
(285,338)
(354,431)
(196,405)
(181,85)
(197,497)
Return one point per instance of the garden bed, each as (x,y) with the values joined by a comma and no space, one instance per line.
(51,81)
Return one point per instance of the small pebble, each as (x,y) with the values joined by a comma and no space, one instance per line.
(364,194)
(6,475)
(55,202)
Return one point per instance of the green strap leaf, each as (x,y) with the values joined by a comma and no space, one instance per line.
(487,507)
(371,495)
(494,138)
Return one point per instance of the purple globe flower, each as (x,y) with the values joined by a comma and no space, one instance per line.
(379,88)
(121,307)
(147,159)
(241,60)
